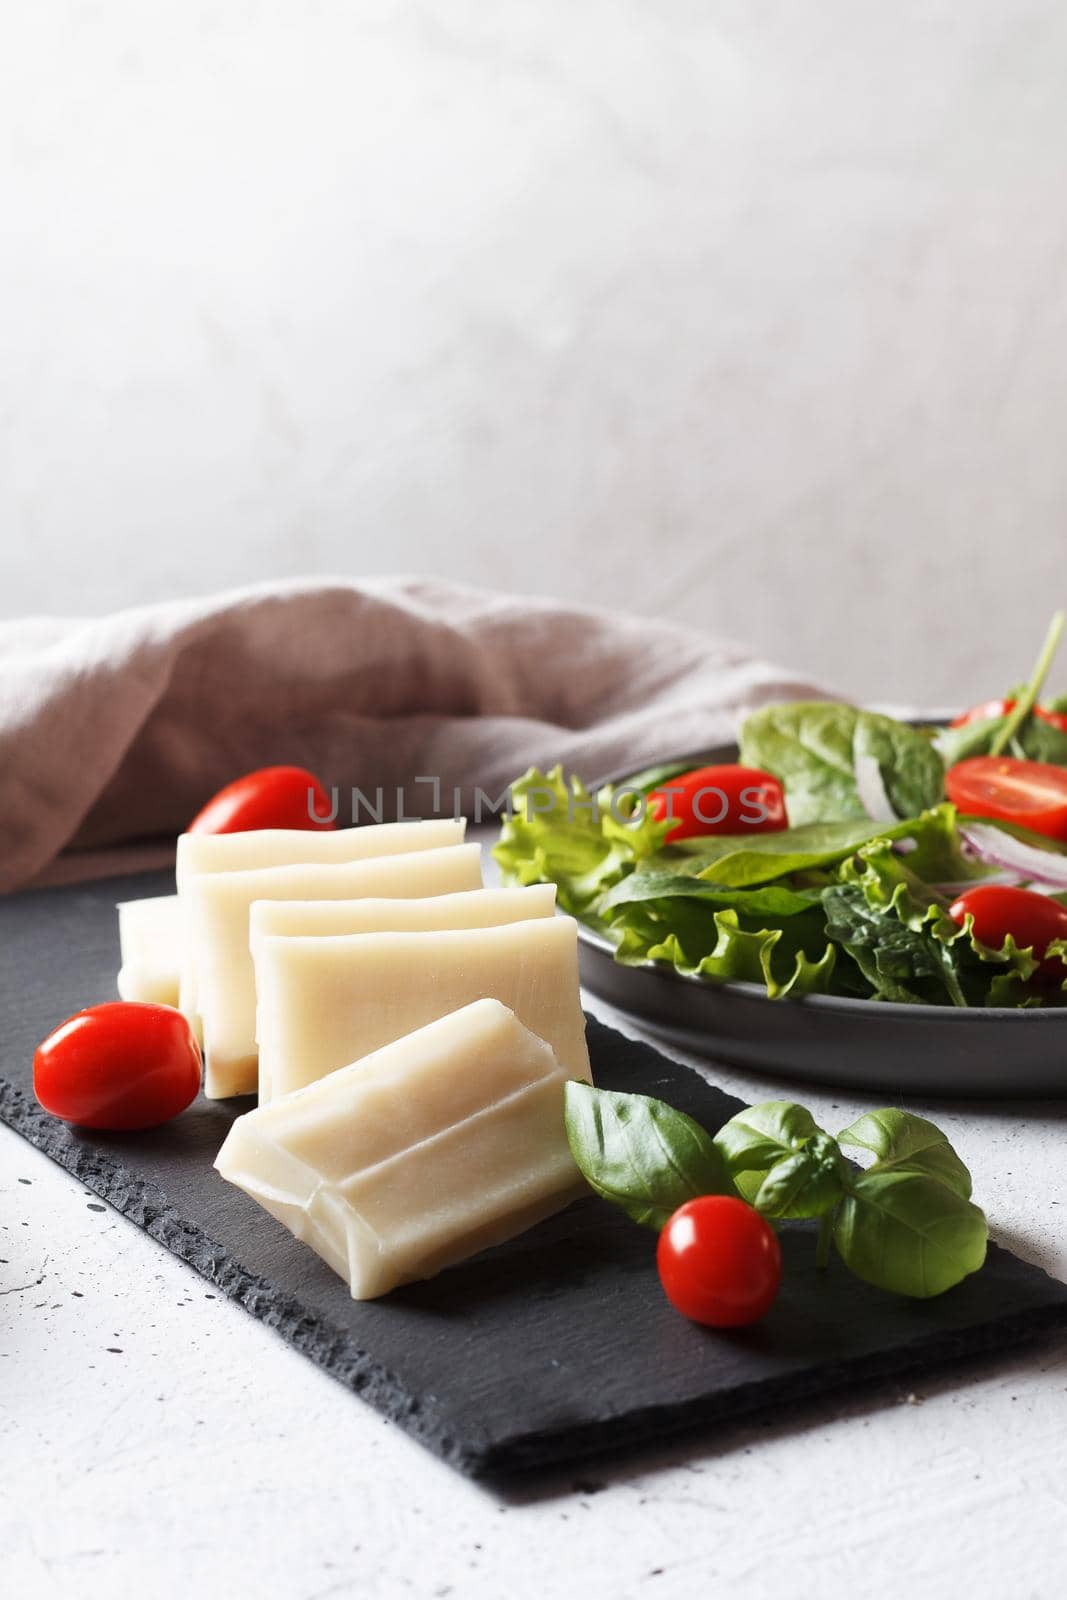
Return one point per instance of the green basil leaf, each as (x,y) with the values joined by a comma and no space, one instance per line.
(640,1153)
(909,1233)
(901,1140)
(781,1161)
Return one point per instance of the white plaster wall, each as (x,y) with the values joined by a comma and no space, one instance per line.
(752,314)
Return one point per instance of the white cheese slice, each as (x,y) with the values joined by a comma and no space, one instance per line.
(446,1141)
(203,853)
(150,940)
(476,908)
(323,1002)
(218,912)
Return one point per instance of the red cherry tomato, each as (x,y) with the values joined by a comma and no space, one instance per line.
(1033,920)
(728,799)
(719,1262)
(273,797)
(120,1066)
(980,713)
(1001,708)
(1030,793)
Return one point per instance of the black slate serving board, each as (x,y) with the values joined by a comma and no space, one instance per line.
(546,1350)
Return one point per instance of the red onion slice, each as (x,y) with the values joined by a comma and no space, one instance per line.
(1002,849)
(871,789)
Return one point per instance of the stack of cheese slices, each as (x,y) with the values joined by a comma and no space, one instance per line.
(408,1033)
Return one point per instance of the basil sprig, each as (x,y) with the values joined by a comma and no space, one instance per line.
(905,1223)
(640,1153)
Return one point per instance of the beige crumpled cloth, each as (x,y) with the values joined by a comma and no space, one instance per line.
(118,729)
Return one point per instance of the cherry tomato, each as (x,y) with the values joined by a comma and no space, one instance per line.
(719,1262)
(1033,920)
(981,713)
(123,1065)
(728,799)
(273,797)
(1001,708)
(1030,793)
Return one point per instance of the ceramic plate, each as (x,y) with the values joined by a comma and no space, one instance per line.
(994,1052)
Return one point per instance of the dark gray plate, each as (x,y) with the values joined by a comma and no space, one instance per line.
(866,1044)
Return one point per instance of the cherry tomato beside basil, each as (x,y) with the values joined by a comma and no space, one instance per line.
(727,799)
(1033,920)
(1032,794)
(1001,708)
(121,1066)
(272,797)
(719,1262)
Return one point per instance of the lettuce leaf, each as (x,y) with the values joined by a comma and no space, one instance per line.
(898,932)
(558,832)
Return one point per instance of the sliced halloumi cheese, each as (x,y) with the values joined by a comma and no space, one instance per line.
(200,854)
(473,908)
(217,917)
(445,1141)
(150,941)
(326,1001)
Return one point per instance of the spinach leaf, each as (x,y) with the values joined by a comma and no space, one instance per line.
(640,1153)
(763,857)
(901,963)
(972,973)
(781,1162)
(652,882)
(811,747)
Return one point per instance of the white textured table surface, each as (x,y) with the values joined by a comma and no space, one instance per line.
(158,1441)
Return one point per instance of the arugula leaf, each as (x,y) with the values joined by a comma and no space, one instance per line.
(811,746)
(1017,733)
(781,1162)
(640,1153)
(1036,740)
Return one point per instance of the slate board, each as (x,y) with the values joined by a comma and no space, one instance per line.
(552,1348)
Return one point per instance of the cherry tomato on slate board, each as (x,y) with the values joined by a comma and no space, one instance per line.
(121,1066)
(1032,794)
(1033,920)
(272,797)
(726,799)
(719,1262)
(1003,708)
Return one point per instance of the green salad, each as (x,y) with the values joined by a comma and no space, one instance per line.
(844,853)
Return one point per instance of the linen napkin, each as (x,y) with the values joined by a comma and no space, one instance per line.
(119,728)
